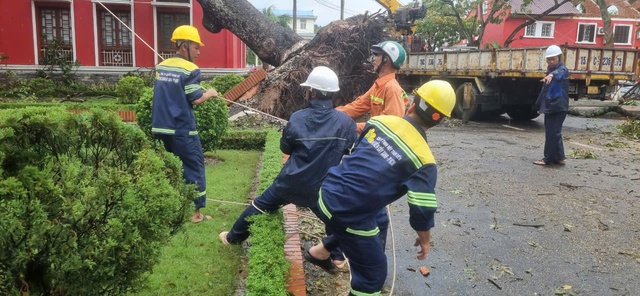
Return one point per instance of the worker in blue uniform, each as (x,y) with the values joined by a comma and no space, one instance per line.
(315,138)
(176,90)
(553,102)
(391,158)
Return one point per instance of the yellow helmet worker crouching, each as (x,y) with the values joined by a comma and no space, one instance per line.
(433,101)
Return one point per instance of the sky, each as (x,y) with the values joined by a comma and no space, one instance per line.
(326,10)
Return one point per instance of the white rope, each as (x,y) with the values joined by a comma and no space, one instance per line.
(393,250)
(134,33)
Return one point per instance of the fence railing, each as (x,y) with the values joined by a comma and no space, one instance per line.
(119,57)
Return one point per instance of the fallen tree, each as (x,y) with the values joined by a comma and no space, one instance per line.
(599,111)
(342,46)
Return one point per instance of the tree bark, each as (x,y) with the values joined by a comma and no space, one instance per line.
(344,46)
(601,111)
(271,42)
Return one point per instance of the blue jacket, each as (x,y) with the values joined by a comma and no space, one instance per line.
(391,158)
(316,138)
(177,84)
(554,97)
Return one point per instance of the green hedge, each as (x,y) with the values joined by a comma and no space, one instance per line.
(243,140)
(86,203)
(68,105)
(268,267)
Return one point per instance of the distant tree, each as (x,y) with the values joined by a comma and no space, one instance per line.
(606,22)
(440,25)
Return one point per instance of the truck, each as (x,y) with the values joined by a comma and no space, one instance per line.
(491,82)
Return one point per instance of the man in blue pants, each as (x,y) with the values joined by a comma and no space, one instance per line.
(315,138)
(176,90)
(391,158)
(553,102)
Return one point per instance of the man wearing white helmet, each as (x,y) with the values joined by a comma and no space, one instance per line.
(395,150)
(315,138)
(385,97)
(553,102)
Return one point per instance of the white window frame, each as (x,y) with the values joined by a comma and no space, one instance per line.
(303,24)
(629,35)
(595,31)
(485,7)
(538,30)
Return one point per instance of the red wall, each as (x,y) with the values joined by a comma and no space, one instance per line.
(83,33)
(222,50)
(16,32)
(565,32)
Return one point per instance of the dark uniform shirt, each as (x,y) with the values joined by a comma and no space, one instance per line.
(390,159)
(316,138)
(177,84)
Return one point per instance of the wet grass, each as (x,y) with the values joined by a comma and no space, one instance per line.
(195,262)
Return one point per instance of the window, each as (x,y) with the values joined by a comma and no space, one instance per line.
(55,34)
(303,24)
(485,7)
(540,29)
(586,33)
(167,22)
(115,39)
(622,34)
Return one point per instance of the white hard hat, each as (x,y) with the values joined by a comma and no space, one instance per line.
(553,51)
(322,79)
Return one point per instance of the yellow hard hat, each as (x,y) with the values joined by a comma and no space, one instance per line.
(435,94)
(186,32)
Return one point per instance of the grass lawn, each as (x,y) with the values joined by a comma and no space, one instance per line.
(195,262)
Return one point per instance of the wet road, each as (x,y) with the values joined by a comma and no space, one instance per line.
(508,227)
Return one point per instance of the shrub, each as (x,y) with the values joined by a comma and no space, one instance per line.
(86,204)
(211,119)
(42,87)
(147,75)
(268,267)
(243,140)
(129,89)
(223,83)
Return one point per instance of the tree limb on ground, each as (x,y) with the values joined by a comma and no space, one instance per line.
(595,112)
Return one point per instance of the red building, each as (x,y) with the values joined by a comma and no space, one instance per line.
(101,32)
(574,25)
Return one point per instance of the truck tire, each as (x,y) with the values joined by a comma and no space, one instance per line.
(458,112)
(521,112)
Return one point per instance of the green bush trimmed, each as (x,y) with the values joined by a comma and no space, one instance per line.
(42,87)
(268,267)
(86,203)
(129,89)
(243,140)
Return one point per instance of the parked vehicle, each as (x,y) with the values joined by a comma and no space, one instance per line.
(495,81)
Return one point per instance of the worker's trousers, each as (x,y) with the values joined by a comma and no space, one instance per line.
(553,146)
(189,150)
(367,260)
(269,201)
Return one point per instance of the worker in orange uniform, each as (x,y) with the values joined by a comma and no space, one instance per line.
(385,97)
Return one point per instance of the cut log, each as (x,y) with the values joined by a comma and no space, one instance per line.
(344,46)
(595,112)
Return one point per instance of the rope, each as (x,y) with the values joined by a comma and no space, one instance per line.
(132,31)
(393,251)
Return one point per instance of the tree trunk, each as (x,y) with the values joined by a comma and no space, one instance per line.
(271,42)
(601,111)
(606,23)
(343,46)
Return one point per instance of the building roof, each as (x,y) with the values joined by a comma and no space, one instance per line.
(299,13)
(625,10)
(539,6)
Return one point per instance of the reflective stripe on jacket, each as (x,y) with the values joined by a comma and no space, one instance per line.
(177,84)
(391,158)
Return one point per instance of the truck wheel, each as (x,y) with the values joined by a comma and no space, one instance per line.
(458,110)
(521,112)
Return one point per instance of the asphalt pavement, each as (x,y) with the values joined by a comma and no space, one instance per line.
(507,227)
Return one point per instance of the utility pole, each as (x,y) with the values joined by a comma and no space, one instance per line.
(295,15)
(341,9)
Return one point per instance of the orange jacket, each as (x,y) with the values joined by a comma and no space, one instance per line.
(385,97)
